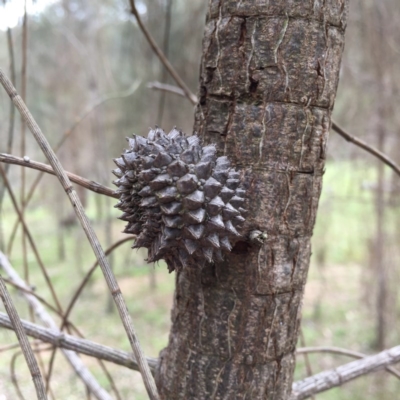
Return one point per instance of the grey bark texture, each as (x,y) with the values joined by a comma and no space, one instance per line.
(268,80)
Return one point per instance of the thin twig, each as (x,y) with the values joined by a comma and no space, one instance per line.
(166,88)
(306,358)
(90,233)
(192,98)
(82,346)
(86,183)
(13,375)
(23,341)
(23,134)
(360,143)
(30,239)
(165,49)
(343,352)
(11,122)
(76,295)
(337,377)
(86,280)
(41,313)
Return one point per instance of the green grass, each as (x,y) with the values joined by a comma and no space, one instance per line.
(334,313)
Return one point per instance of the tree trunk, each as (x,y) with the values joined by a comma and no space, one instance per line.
(268,81)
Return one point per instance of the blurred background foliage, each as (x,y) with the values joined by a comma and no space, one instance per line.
(87,75)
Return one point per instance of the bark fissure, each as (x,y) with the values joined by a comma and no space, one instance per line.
(268,80)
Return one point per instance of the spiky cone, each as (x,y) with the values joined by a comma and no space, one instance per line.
(183,202)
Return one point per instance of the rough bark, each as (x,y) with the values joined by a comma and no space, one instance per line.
(268,81)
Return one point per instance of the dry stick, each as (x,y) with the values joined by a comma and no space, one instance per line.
(345,373)
(41,313)
(9,347)
(23,341)
(161,55)
(65,136)
(343,352)
(82,346)
(360,143)
(166,88)
(30,238)
(91,235)
(86,183)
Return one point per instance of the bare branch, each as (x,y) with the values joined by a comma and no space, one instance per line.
(342,352)
(86,183)
(82,346)
(41,313)
(23,341)
(90,233)
(360,143)
(192,98)
(167,88)
(345,373)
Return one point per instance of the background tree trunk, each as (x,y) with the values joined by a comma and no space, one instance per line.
(268,81)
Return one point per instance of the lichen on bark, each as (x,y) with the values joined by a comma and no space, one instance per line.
(268,80)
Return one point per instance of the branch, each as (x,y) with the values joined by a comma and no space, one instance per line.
(82,346)
(192,98)
(16,325)
(86,183)
(360,143)
(90,233)
(41,313)
(343,352)
(166,88)
(345,373)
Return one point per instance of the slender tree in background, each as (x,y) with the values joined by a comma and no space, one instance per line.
(268,81)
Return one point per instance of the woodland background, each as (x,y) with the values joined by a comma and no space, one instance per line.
(88,70)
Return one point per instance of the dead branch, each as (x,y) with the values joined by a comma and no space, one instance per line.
(41,313)
(342,352)
(23,341)
(166,88)
(345,373)
(192,98)
(358,142)
(86,183)
(90,233)
(82,346)
(372,150)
